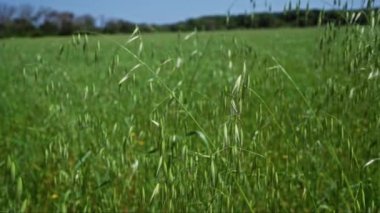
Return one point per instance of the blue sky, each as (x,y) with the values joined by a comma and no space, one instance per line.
(162,11)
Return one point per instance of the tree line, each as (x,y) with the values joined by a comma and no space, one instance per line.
(25,20)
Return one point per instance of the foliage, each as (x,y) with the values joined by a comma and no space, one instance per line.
(30,22)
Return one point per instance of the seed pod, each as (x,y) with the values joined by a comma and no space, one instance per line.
(19,188)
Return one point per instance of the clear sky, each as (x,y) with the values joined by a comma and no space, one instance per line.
(164,11)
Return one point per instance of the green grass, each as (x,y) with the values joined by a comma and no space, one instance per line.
(238,121)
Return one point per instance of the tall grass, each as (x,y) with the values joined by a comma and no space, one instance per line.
(242,121)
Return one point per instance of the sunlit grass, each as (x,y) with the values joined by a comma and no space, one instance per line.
(269,120)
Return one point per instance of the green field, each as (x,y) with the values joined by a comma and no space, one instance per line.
(283,120)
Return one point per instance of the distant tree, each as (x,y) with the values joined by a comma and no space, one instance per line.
(85,22)
(66,23)
(25,12)
(243,21)
(49,28)
(41,15)
(147,28)
(112,26)
(6,13)
(265,21)
(119,26)
(16,21)
(22,27)
(63,21)
(126,27)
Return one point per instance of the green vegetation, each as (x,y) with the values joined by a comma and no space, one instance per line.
(270,120)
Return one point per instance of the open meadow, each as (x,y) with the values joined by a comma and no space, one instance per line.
(281,120)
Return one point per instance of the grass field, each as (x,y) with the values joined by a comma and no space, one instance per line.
(282,120)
